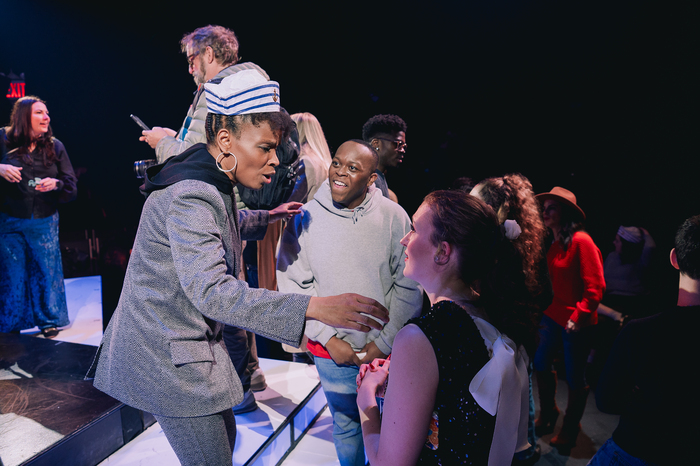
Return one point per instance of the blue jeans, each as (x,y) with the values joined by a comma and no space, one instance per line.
(339,385)
(610,454)
(576,346)
(31,274)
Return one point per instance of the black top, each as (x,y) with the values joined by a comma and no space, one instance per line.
(21,199)
(465,430)
(649,380)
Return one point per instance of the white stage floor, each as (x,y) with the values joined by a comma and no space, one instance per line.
(288,384)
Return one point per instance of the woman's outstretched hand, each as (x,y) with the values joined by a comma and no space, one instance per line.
(349,310)
(285,211)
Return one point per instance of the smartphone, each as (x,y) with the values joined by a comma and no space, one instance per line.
(139,122)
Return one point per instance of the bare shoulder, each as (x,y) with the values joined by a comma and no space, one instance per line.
(409,335)
(413,346)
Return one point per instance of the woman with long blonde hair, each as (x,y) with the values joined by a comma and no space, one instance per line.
(314,153)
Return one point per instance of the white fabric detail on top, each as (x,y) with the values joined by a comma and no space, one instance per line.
(501,388)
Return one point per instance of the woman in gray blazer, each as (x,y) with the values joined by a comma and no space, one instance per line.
(162,351)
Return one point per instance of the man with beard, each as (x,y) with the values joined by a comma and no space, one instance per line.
(387,136)
(212,55)
(349,238)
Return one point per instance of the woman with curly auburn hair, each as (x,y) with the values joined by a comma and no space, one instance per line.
(512,198)
(36,176)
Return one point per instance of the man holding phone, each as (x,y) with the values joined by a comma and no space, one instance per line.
(212,54)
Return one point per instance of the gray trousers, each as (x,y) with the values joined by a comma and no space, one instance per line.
(201,441)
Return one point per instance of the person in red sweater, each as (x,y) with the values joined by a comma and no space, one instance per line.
(576,272)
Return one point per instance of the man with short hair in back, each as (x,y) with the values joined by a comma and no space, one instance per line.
(212,54)
(647,378)
(387,136)
(349,238)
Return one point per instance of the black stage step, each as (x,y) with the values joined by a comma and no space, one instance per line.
(49,415)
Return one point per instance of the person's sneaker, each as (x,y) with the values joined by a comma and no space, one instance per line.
(257,381)
(247,405)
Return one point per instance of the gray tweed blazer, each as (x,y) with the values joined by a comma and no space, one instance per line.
(162,351)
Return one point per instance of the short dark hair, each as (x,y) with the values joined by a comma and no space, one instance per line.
(280,123)
(382,124)
(368,146)
(688,247)
(222,41)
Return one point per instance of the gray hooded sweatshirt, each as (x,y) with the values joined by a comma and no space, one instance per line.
(328,250)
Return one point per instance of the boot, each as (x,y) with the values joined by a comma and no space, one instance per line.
(566,438)
(547,387)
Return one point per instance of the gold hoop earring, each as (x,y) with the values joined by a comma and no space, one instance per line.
(218,165)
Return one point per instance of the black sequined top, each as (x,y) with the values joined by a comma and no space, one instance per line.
(464,430)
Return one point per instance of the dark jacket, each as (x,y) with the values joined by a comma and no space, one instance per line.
(21,199)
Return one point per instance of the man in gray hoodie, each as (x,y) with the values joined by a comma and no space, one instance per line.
(348,239)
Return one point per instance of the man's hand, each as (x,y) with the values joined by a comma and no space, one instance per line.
(372,353)
(285,211)
(11,173)
(342,353)
(153,137)
(348,311)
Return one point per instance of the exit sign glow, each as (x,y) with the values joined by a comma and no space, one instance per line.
(15,91)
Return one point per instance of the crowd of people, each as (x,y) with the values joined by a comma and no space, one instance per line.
(426,331)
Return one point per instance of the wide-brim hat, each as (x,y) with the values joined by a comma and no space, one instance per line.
(564,196)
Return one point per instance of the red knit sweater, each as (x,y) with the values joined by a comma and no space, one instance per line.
(577,280)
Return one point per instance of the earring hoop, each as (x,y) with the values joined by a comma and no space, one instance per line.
(218,165)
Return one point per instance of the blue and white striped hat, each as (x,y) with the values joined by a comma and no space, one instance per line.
(244,92)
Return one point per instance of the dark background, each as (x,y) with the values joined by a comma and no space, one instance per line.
(597,97)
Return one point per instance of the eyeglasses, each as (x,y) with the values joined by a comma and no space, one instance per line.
(400,145)
(190,59)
